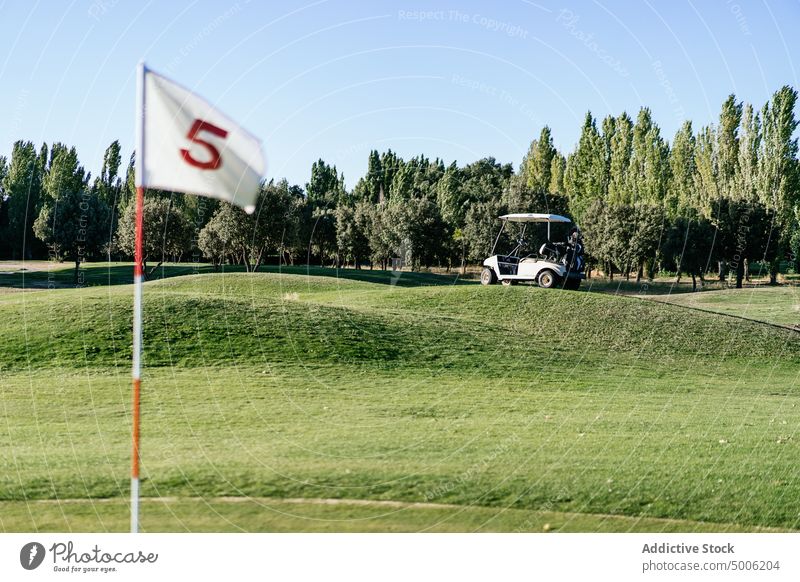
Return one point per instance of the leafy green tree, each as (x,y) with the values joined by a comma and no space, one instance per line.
(485,179)
(595,229)
(74,226)
(5,249)
(689,245)
(451,197)
(621,148)
(375,221)
(620,230)
(453,201)
(707,186)
(293,244)
(3,174)
(250,238)
(322,236)
(167,232)
(326,186)
(794,241)
(427,176)
(744,235)
(557,168)
(537,166)
(65,174)
(746,178)
(374,180)
(727,146)
(402,187)
(128,192)
(211,241)
(108,184)
(351,234)
(609,128)
(73,220)
(648,171)
(481,181)
(649,226)
(22,189)
(625,236)
(518,197)
(481,228)
(324,191)
(108,188)
(390,164)
(584,179)
(706,177)
(418,227)
(778,176)
(681,197)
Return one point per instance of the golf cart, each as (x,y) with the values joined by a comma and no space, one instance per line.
(552,264)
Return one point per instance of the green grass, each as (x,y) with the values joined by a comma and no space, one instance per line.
(557,407)
(779,305)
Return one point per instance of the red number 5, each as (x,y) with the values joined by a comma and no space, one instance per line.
(215,160)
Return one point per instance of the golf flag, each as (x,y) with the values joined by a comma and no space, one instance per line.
(183,144)
(187,145)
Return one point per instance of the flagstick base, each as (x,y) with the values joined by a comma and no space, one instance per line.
(134,505)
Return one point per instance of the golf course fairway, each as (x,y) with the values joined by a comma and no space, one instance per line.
(285,402)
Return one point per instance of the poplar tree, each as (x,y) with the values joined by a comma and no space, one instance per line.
(4,237)
(621,147)
(538,163)
(609,128)
(706,178)
(681,196)
(746,178)
(779,179)
(22,186)
(584,178)
(727,146)
(648,171)
(374,183)
(557,168)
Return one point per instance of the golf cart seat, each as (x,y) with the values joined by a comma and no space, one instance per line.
(550,251)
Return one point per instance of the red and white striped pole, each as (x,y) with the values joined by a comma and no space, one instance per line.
(137,299)
(137,359)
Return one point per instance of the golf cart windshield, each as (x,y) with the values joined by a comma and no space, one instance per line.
(525,219)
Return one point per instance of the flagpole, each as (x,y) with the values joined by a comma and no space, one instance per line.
(136,371)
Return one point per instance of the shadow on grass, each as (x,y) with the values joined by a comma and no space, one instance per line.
(62,275)
(621,286)
(668,286)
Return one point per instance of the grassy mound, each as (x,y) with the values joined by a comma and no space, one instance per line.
(270,318)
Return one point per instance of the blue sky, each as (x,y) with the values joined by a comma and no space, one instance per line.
(334,79)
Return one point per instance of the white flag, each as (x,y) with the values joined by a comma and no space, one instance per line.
(187,145)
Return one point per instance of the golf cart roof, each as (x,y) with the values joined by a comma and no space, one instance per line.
(534,218)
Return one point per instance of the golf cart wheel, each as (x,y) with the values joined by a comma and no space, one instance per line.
(488,277)
(547,279)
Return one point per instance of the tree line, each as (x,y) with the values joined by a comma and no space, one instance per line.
(713,200)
